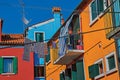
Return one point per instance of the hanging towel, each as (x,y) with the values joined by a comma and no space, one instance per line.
(27,49)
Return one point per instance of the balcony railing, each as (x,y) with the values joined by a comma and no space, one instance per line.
(112,20)
(71,49)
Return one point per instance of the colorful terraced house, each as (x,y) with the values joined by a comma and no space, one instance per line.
(42,32)
(12,65)
(84,48)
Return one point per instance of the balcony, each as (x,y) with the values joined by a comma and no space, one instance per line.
(72,50)
(112,20)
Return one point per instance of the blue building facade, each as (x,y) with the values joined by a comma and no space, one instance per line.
(43,32)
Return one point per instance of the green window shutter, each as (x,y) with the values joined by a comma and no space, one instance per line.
(48,57)
(100,6)
(62,76)
(80,70)
(74,72)
(15,65)
(1,65)
(93,10)
(68,74)
(93,70)
(111,62)
(39,37)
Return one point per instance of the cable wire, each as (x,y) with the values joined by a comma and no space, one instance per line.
(60,37)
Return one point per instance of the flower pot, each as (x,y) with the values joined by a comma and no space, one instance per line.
(79,47)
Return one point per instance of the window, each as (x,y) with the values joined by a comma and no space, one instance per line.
(41,61)
(74,72)
(74,27)
(110,62)
(39,37)
(68,74)
(39,71)
(8,65)
(96,70)
(62,76)
(96,7)
(100,66)
(108,2)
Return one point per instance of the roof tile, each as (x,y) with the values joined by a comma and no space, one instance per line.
(12,39)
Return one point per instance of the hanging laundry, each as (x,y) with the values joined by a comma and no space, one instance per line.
(63,36)
(27,49)
(45,49)
(39,49)
(54,44)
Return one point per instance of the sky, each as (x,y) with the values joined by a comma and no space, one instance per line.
(34,10)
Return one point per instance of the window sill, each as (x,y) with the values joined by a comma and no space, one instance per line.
(111,71)
(100,76)
(39,65)
(96,19)
(7,73)
(39,77)
(93,22)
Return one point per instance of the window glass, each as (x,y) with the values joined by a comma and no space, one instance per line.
(39,71)
(111,62)
(39,37)
(97,7)
(93,10)
(100,65)
(8,65)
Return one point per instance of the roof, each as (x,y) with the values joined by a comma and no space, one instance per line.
(12,39)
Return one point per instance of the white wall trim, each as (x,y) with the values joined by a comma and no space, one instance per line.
(106,60)
(93,21)
(103,74)
(40,24)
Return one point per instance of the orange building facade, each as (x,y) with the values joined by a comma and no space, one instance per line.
(88,54)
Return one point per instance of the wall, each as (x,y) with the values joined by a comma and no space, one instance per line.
(52,70)
(96,45)
(25,69)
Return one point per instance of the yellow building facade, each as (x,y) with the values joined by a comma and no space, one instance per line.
(88,53)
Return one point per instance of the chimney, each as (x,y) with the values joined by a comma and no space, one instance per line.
(57,16)
(1,22)
(56,9)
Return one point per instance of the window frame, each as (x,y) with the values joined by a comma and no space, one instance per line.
(39,32)
(39,66)
(62,72)
(12,73)
(98,15)
(102,74)
(108,71)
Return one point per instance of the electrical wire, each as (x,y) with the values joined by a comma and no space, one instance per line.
(60,37)
(46,8)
